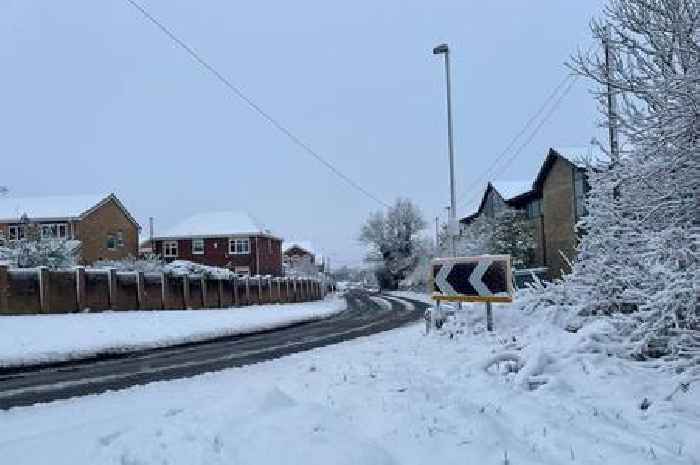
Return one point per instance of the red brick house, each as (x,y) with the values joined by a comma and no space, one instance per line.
(232,240)
(99,226)
(296,253)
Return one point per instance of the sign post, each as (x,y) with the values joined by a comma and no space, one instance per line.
(485,278)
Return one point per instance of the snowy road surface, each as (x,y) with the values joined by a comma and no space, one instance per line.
(32,339)
(396,398)
(364,315)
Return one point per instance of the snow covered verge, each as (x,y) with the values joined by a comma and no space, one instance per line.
(394,398)
(35,339)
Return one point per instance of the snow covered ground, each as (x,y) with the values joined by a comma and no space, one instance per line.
(50,338)
(395,398)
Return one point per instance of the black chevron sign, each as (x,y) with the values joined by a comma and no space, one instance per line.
(486,278)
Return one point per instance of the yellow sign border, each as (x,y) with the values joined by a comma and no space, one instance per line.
(463,298)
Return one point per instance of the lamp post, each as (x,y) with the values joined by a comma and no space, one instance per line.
(444,50)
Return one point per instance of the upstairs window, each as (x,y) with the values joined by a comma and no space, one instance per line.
(534,209)
(197,246)
(580,189)
(239,246)
(111,242)
(170,249)
(54,231)
(16,233)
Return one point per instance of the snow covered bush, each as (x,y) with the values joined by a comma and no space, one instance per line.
(638,257)
(33,251)
(509,232)
(154,264)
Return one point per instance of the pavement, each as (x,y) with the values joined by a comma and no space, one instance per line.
(364,316)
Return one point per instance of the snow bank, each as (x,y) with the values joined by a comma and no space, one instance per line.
(50,338)
(394,398)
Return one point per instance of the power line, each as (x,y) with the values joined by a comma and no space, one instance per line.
(569,77)
(279,126)
(532,135)
(519,134)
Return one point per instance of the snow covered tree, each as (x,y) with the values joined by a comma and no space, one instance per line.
(639,249)
(33,251)
(394,238)
(508,232)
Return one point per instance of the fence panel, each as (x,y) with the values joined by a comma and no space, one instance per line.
(126,296)
(22,292)
(62,296)
(97,290)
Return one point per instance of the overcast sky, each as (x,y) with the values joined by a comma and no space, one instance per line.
(95,99)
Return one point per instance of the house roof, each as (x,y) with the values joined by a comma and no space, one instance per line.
(55,207)
(216,224)
(508,190)
(580,156)
(304,245)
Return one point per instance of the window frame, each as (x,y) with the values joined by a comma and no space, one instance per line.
(169,246)
(19,232)
(111,239)
(197,251)
(233,246)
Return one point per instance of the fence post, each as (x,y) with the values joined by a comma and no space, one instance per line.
(43,273)
(80,292)
(140,301)
(260,293)
(220,291)
(269,283)
(247,290)
(279,290)
(112,287)
(294,289)
(203,285)
(164,300)
(4,289)
(186,291)
(234,283)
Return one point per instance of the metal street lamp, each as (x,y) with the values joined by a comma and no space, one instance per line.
(443,49)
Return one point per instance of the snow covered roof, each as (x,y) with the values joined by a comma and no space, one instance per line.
(48,208)
(306,245)
(510,189)
(216,224)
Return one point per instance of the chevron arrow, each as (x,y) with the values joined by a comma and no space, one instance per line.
(475,278)
(441,279)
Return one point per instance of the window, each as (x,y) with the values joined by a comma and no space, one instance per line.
(111,242)
(197,246)
(580,189)
(170,248)
(16,233)
(239,246)
(120,239)
(534,208)
(54,231)
(242,270)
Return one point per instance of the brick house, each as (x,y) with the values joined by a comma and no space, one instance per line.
(297,252)
(224,239)
(99,226)
(554,203)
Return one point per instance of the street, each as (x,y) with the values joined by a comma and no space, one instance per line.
(363,317)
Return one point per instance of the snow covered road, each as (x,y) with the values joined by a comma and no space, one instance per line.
(25,386)
(393,398)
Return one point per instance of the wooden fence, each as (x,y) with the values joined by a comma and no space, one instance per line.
(44,291)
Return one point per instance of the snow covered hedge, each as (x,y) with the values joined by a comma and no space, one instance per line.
(638,265)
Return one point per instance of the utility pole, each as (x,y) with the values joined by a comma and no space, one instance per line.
(437,233)
(444,50)
(612,101)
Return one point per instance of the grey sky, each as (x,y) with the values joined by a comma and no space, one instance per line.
(93,98)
